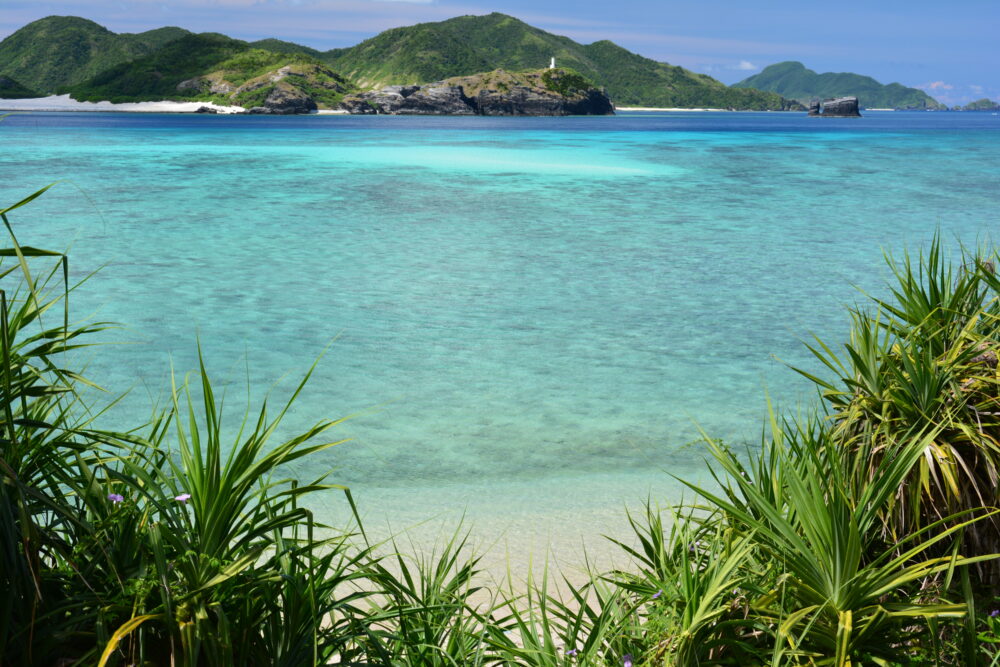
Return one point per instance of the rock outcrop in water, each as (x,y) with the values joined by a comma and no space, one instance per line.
(550,92)
(840,107)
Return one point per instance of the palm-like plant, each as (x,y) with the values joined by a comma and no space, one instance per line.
(839,594)
(224,535)
(925,360)
(43,437)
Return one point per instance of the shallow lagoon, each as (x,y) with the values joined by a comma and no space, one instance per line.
(529,318)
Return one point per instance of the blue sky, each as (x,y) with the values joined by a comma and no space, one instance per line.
(948,49)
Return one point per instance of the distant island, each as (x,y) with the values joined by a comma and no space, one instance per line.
(980,105)
(75,56)
(793,80)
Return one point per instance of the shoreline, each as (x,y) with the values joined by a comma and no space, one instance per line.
(66,103)
(667,109)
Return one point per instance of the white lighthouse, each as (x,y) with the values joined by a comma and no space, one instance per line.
(552,63)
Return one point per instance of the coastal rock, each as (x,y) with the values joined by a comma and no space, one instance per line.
(284,100)
(206,84)
(195,84)
(552,92)
(434,98)
(814,109)
(840,107)
(522,101)
(206,110)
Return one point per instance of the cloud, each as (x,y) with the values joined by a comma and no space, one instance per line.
(936,85)
(747,66)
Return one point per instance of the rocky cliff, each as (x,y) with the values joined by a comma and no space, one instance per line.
(299,87)
(549,92)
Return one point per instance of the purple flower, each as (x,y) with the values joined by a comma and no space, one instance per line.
(995,613)
(628,660)
(657,593)
(572,652)
(116,497)
(183,498)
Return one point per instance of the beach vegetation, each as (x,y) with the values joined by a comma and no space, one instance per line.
(860,531)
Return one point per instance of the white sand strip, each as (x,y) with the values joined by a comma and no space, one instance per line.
(66,103)
(663,109)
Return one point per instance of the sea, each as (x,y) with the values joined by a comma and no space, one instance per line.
(529,324)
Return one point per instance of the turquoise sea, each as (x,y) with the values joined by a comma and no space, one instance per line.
(529,318)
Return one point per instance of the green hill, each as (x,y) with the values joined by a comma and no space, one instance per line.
(984,104)
(212,67)
(59,51)
(156,76)
(11,89)
(77,55)
(468,45)
(281,46)
(792,79)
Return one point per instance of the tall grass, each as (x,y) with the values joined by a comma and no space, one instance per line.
(852,536)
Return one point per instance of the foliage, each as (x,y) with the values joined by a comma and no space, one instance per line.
(926,360)
(792,80)
(204,67)
(565,82)
(11,89)
(156,76)
(53,53)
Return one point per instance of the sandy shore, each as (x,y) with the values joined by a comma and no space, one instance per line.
(519,527)
(66,103)
(663,109)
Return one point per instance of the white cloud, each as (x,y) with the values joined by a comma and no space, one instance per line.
(747,66)
(936,85)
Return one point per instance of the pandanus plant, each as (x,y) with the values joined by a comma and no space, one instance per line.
(925,360)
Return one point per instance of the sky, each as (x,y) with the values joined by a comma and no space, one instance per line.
(948,49)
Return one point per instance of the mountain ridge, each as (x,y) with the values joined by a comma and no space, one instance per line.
(466,45)
(75,55)
(793,80)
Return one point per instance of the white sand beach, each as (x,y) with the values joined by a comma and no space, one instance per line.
(66,103)
(663,109)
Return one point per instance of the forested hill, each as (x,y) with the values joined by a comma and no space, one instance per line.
(469,44)
(793,80)
(56,52)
